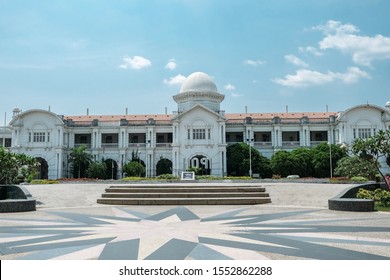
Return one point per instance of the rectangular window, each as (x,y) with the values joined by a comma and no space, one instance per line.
(189,134)
(199,133)
(364,133)
(39,137)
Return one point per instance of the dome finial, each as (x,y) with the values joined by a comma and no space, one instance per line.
(198,82)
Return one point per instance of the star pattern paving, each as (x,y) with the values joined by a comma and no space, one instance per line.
(179,233)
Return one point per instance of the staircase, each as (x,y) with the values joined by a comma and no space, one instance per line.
(185,194)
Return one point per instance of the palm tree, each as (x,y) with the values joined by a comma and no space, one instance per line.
(79,157)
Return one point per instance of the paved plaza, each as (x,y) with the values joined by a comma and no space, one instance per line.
(69,224)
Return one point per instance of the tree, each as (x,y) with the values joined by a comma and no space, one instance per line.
(134,168)
(283,164)
(238,162)
(373,149)
(321,158)
(97,170)
(302,157)
(12,165)
(80,160)
(355,167)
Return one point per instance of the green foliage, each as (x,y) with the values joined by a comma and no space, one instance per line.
(238,163)
(207,177)
(134,168)
(355,167)
(15,167)
(196,170)
(321,158)
(359,179)
(97,170)
(167,177)
(303,162)
(373,148)
(381,197)
(44,182)
(80,159)
(134,178)
(307,162)
(282,163)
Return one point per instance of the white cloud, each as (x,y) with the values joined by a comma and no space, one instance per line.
(235,95)
(230,87)
(135,62)
(311,50)
(254,62)
(363,49)
(305,78)
(332,27)
(295,60)
(171,65)
(176,80)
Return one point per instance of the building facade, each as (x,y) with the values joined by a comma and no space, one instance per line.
(196,135)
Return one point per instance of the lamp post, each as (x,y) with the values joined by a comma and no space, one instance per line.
(330,160)
(249,141)
(139,162)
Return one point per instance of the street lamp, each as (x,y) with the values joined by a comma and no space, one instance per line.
(249,141)
(330,161)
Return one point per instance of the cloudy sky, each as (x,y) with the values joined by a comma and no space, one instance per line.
(111,55)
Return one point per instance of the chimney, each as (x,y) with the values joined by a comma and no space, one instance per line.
(87,111)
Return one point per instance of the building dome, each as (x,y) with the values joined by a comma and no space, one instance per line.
(198,82)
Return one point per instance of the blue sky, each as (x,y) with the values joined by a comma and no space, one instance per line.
(111,55)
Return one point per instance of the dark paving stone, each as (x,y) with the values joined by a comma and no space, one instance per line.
(182,212)
(121,250)
(202,252)
(174,249)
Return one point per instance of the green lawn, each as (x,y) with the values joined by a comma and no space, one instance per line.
(381,208)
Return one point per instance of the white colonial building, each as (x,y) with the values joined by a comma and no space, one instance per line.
(196,135)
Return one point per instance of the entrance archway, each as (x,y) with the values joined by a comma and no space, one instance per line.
(201,162)
(43,169)
(112,169)
(164,166)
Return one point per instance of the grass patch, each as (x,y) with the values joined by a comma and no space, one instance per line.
(381,208)
(44,182)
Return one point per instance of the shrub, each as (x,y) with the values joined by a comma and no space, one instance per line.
(355,167)
(97,170)
(381,197)
(134,168)
(134,178)
(167,177)
(359,179)
(43,182)
(207,177)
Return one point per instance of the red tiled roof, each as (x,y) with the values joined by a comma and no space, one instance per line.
(233,116)
(105,118)
(293,115)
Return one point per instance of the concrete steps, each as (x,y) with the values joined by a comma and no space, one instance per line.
(185,194)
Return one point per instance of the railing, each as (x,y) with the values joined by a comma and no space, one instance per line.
(290,143)
(163,145)
(110,145)
(137,144)
(87,145)
(263,144)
